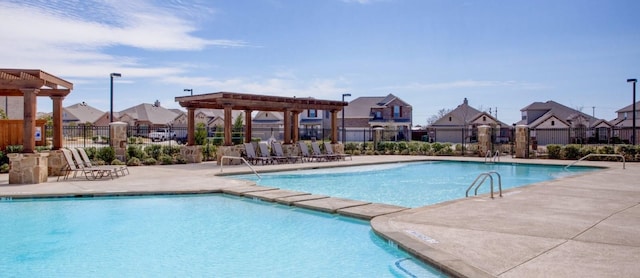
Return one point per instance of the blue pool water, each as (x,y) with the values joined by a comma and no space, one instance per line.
(186,236)
(410,184)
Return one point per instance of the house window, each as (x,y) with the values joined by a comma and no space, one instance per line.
(553,123)
(484,118)
(378,115)
(312,113)
(449,118)
(396,111)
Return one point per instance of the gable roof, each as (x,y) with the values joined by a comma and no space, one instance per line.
(361,106)
(553,108)
(147,112)
(629,108)
(82,113)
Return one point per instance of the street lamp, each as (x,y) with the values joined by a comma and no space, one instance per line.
(633,114)
(112,75)
(344,135)
(189,90)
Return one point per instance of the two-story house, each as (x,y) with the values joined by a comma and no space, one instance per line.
(623,123)
(388,113)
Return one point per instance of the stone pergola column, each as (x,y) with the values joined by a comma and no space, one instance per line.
(334,126)
(118,139)
(57,122)
(191,126)
(28,140)
(287,126)
(296,133)
(228,108)
(247,126)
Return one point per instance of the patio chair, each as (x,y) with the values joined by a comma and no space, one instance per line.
(304,150)
(277,148)
(329,149)
(87,163)
(316,151)
(252,157)
(72,166)
(264,152)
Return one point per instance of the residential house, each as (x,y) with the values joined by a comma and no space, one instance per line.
(460,125)
(553,123)
(268,124)
(623,123)
(366,114)
(146,117)
(82,113)
(211,118)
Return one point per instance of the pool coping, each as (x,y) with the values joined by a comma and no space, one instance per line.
(150,181)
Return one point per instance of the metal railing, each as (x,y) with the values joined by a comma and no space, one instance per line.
(481,178)
(597,154)
(228,157)
(492,158)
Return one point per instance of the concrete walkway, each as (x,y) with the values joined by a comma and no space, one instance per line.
(580,226)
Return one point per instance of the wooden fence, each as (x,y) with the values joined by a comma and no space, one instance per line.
(12,131)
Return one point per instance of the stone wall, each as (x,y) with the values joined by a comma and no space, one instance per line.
(484,139)
(192,154)
(118,139)
(56,162)
(522,148)
(28,168)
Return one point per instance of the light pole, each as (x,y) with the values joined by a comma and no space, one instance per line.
(112,75)
(633,113)
(344,135)
(189,90)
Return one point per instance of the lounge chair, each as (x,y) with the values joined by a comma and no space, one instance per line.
(304,150)
(80,155)
(329,149)
(253,158)
(72,166)
(277,148)
(264,152)
(316,151)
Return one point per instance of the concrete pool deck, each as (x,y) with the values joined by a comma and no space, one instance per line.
(581,226)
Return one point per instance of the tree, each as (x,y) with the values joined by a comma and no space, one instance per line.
(441,113)
(3,114)
(237,124)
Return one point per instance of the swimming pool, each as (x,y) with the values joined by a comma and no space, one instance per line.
(205,235)
(411,184)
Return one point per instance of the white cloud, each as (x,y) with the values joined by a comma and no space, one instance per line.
(76,38)
(465,84)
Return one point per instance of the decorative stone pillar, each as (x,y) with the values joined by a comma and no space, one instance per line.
(118,139)
(484,139)
(234,151)
(28,168)
(192,154)
(522,148)
(56,162)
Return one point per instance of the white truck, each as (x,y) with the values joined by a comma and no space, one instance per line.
(162,134)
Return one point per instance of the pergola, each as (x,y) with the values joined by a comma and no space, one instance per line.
(291,107)
(30,84)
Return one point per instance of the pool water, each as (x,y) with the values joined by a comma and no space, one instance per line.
(410,184)
(204,235)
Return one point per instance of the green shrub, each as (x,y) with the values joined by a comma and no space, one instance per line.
(134,161)
(554,151)
(14,149)
(91,152)
(571,152)
(356,152)
(153,151)
(136,151)
(106,154)
(117,162)
(171,150)
(4,168)
(180,160)
(425,148)
(166,159)
(149,161)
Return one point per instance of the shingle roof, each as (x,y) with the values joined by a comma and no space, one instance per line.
(82,113)
(156,115)
(629,108)
(554,109)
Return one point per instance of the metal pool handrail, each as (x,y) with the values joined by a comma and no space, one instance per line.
(597,154)
(238,157)
(494,158)
(484,176)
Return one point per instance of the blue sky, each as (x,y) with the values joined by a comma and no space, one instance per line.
(502,54)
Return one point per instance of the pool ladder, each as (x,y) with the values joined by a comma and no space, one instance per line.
(483,177)
(488,158)
(228,157)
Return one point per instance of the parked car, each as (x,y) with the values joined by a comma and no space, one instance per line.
(162,134)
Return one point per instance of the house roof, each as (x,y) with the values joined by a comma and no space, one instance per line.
(361,106)
(629,108)
(554,109)
(463,114)
(156,115)
(81,112)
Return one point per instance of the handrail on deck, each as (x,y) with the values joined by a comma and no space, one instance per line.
(597,154)
(238,157)
(484,176)
(494,158)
